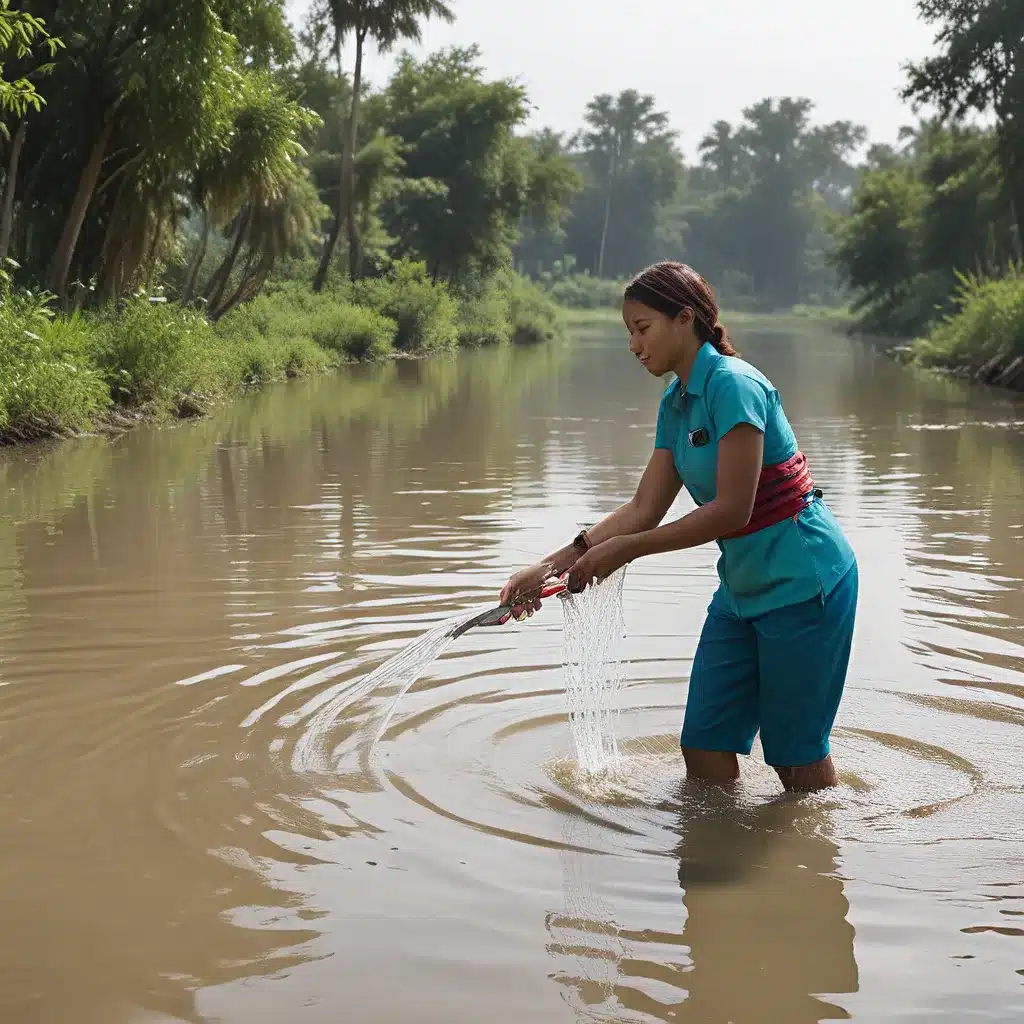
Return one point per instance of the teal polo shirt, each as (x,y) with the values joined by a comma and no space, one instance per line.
(797,560)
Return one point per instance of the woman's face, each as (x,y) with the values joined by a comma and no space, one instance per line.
(657,340)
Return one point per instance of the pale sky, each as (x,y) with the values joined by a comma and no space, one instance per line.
(703,60)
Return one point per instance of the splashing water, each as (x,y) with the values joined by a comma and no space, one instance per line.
(404,668)
(592,663)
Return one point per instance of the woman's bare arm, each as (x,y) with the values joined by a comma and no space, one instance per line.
(740,457)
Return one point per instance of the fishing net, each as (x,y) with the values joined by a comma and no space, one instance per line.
(592,641)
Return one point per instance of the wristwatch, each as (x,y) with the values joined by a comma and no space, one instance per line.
(581,542)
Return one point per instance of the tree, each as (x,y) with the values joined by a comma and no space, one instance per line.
(722,152)
(22,37)
(555,181)
(385,22)
(253,183)
(616,127)
(979,67)
(471,181)
(762,199)
(154,76)
(921,218)
(143,115)
(877,247)
(261,31)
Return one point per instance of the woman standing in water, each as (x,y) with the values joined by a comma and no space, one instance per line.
(775,646)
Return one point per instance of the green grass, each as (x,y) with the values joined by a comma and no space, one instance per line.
(823,315)
(65,374)
(830,314)
(48,381)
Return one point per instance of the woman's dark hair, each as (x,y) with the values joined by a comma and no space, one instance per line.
(670,287)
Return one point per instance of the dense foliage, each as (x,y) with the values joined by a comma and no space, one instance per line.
(197,145)
(934,241)
(61,373)
(985,334)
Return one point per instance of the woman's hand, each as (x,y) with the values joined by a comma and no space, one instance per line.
(525,581)
(601,561)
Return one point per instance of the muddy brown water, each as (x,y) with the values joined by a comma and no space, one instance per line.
(176,605)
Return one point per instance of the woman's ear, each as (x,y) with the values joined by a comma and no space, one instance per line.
(686,316)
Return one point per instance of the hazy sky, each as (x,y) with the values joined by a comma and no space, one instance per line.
(702,59)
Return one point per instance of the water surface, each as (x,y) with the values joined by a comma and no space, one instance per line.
(186,839)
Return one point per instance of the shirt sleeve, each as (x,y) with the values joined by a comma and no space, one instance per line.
(735,398)
(667,430)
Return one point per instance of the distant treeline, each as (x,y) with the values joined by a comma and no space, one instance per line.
(753,215)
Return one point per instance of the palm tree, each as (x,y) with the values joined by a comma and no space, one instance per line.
(616,126)
(722,152)
(252,175)
(385,22)
(253,164)
(275,226)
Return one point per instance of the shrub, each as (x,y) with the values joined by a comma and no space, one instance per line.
(584,292)
(160,357)
(273,340)
(535,315)
(988,322)
(485,318)
(353,331)
(302,356)
(245,322)
(425,312)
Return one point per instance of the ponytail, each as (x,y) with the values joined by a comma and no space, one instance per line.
(720,339)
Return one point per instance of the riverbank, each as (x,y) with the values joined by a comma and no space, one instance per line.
(983,340)
(730,317)
(148,360)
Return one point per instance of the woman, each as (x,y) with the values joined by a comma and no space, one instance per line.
(775,646)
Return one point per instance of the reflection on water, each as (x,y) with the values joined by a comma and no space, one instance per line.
(760,933)
(179,608)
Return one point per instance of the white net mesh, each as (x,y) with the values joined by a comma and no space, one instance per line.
(592,662)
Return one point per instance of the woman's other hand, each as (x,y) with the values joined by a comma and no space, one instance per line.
(600,562)
(526,581)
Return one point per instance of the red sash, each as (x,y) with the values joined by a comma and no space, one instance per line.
(781,494)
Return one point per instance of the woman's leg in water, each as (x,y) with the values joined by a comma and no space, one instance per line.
(721,706)
(712,767)
(809,778)
(803,654)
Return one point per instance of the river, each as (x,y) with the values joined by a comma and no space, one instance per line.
(177,604)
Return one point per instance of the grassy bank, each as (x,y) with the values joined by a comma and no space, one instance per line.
(984,337)
(143,360)
(590,297)
(730,317)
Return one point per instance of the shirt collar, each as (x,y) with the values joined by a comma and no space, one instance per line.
(701,368)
